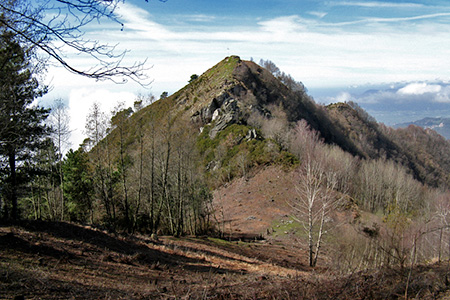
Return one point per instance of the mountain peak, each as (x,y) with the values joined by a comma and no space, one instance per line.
(237,106)
(228,93)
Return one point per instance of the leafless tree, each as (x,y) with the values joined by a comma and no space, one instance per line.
(305,143)
(57,27)
(317,199)
(119,122)
(96,127)
(59,121)
(269,66)
(442,214)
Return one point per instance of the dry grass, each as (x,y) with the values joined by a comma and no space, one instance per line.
(40,260)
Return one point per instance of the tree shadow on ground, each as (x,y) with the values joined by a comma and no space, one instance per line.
(130,251)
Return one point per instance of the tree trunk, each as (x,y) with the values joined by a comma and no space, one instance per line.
(310,236)
(319,237)
(13,185)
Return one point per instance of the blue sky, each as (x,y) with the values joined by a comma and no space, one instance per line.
(338,49)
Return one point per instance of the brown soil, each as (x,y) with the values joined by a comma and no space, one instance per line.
(56,260)
(42,260)
(251,206)
(47,260)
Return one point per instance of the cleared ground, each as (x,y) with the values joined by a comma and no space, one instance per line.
(40,260)
(261,256)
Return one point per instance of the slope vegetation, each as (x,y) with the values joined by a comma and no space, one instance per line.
(238,92)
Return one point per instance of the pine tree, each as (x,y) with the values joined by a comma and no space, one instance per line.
(21,123)
(79,187)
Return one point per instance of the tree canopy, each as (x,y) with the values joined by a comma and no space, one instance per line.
(21,122)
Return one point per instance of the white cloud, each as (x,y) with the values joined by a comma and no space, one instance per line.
(318,14)
(420,89)
(311,49)
(376,4)
(406,95)
(81,101)
(344,97)
(287,24)
(139,20)
(199,18)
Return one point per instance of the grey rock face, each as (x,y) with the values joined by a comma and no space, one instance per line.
(227,114)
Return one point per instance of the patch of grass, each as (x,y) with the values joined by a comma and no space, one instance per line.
(285,227)
(204,143)
(219,242)
(230,136)
(233,152)
(223,70)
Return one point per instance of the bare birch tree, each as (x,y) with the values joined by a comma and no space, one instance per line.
(59,121)
(316,201)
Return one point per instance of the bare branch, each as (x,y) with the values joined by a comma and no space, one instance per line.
(57,28)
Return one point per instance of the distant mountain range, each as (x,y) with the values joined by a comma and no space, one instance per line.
(440,125)
(395,103)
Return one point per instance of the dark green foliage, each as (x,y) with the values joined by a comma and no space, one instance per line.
(21,125)
(78,185)
(164,95)
(121,115)
(193,78)
(236,153)
(288,160)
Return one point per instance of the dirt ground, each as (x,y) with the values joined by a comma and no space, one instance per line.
(259,257)
(49,260)
(43,260)
(253,205)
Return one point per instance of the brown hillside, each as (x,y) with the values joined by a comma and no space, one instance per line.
(424,152)
(42,260)
(253,206)
(234,90)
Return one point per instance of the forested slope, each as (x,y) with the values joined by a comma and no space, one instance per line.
(232,120)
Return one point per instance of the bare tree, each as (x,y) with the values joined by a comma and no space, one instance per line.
(442,214)
(58,27)
(96,127)
(316,200)
(276,127)
(269,66)
(119,119)
(59,122)
(305,143)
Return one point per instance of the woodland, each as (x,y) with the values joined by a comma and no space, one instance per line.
(357,201)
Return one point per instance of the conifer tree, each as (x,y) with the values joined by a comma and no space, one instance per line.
(21,123)
(79,187)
